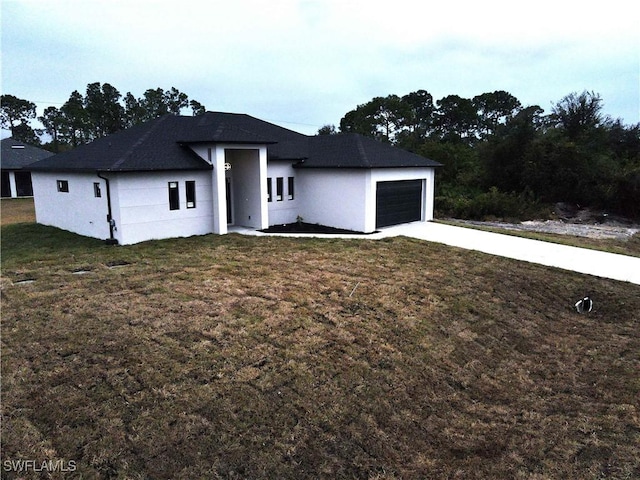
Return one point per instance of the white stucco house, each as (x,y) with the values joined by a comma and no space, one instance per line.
(181,176)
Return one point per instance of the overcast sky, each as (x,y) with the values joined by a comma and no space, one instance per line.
(305,63)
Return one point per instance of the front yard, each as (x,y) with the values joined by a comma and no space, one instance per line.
(258,357)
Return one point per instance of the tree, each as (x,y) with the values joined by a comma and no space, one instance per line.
(53,121)
(102,111)
(153,104)
(457,119)
(105,115)
(197,108)
(134,113)
(75,126)
(175,100)
(327,130)
(382,118)
(495,109)
(503,153)
(15,115)
(359,120)
(577,114)
(419,120)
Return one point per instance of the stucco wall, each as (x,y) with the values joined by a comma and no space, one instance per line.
(143,206)
(346,198)
(285,211)
(77,210)
(334,197)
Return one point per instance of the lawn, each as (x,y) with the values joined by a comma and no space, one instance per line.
(261,357)
(17,210)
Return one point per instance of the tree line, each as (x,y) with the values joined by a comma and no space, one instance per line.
(499,158)
(102,110)
(503,159)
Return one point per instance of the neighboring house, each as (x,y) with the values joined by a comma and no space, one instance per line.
(180,176)
(15,160)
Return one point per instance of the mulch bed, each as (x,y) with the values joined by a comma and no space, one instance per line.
(302,227)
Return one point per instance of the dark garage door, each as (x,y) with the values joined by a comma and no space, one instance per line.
(398,202)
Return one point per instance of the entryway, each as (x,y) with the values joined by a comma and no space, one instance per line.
(243,187)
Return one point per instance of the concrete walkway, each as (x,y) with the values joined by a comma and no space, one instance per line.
(582,260)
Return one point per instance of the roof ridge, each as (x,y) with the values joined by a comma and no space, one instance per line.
(139,142)
(361,150)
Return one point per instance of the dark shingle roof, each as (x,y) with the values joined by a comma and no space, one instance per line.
(162,144)
(17,155)
(350,150)
(145,147)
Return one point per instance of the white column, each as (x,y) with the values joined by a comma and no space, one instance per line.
(264,206)
(430,195)
(12,184)
(219,191)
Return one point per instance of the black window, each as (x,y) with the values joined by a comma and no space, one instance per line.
(96,190)
(191,193)
(23,184)
(269,190)
(63,186)
(6,184)
(174,196)
(290,188)
(279,188)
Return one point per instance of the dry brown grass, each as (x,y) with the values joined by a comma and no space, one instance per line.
(17,210)
(238,357)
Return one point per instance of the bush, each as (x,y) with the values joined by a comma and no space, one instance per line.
(491,204)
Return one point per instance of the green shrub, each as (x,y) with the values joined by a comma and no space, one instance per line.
(488,205)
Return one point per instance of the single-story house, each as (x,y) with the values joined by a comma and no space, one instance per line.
(180,176)
(15,161)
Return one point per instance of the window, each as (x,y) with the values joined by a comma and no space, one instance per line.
(96,190)
(191,193)
(174,196)
(269,190)
(63,186)
(290,188)
(279,188)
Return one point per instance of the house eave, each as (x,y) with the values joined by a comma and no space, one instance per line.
(121,170)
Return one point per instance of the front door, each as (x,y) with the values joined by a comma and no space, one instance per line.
(229,201)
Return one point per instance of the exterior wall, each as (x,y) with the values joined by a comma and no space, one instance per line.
(77,210)
(286,210)
(335,197)
(140,203)
(347,198)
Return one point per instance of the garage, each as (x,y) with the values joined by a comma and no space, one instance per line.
(398,201)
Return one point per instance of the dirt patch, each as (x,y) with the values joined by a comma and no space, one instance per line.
(575,221)
(597,231)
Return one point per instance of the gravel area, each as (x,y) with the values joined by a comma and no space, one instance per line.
(606,230)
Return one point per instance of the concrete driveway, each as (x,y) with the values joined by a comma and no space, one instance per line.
(582,260)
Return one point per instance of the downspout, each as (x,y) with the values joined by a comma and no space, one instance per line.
(112,223)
